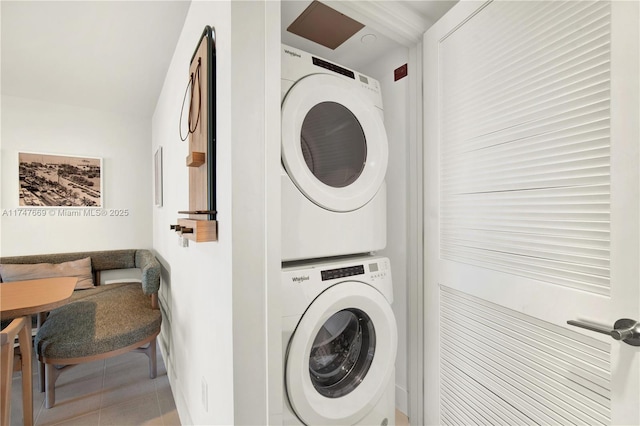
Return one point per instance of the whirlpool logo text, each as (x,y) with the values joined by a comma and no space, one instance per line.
(297,55)
(300,279)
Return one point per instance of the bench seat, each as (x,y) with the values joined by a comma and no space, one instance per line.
(101,321)
(97,322)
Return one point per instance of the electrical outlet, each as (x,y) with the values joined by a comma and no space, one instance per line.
(182,241)
(205,395)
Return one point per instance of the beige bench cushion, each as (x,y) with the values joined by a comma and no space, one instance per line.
(80,268)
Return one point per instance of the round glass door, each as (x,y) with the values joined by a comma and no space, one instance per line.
(341,356)
(342,353)
(333,144)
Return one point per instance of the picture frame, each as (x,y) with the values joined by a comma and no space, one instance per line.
(157,177)
(59,180)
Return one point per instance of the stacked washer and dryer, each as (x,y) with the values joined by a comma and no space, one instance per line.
(339,332)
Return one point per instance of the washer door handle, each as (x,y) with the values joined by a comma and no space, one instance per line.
(624,329)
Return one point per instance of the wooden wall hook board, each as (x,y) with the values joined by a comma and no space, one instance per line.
(202,142)
(201,224)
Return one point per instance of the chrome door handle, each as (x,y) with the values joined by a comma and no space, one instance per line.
(625,329)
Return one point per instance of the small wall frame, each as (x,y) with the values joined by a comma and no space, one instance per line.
(157,177)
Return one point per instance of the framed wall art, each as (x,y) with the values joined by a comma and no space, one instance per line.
(157,177)
(52,180)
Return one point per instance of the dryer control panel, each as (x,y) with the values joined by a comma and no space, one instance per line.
(333,67)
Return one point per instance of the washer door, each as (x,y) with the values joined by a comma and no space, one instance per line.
(341,355)
(334,144)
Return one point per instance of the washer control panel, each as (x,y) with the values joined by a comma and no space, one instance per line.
(375,269)
(378,269)
(303,281)
(348,271)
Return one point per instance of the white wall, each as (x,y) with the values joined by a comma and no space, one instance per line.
(214,295)
(395,100)
(196,339)
(255,109)
(123,143)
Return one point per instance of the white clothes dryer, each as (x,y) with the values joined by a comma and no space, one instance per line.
(339,343)
(334,159)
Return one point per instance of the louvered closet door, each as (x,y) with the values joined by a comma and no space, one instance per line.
(532,212)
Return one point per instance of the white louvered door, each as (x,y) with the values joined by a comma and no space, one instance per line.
(532,212)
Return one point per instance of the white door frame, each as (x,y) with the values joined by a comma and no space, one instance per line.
(415,241)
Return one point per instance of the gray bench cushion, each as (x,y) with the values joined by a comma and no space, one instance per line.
(102,261)
(85,327)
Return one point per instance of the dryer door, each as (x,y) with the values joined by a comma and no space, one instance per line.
(341,356)
(334,144)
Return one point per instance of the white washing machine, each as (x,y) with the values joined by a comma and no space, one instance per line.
(334,158)
(339,343)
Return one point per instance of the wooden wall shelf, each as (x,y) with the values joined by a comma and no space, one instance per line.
(198,231)
(196,159)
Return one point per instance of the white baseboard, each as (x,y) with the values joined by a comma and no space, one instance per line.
(402,398)
(178,397)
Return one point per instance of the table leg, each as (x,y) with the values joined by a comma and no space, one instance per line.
(24,338)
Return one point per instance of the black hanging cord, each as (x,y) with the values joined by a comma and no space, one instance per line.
(192,78)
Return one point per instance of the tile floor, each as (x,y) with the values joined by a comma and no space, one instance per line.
(116,391)
(401,419)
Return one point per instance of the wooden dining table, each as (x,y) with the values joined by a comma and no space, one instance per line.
(20,298)
(24,299)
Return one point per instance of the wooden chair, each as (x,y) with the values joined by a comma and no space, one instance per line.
(10,362)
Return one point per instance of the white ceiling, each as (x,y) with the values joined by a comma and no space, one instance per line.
(429,10)
(113,55)
(394,23)
(109,55)
(352,53)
